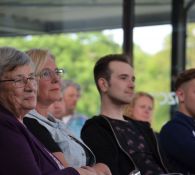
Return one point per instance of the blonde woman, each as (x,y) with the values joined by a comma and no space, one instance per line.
(51,131)
(141,107)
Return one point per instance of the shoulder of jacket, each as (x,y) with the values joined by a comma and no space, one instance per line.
(96,120)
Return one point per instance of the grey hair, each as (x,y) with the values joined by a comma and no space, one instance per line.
(10,58)
(68,83)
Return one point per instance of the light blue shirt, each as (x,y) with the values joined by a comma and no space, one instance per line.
(75,123)
(72,147)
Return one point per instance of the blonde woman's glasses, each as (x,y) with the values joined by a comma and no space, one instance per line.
(47,74)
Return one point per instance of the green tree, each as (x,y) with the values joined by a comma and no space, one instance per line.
(190,40)
(77,53)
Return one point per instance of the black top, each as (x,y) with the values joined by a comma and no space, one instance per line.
(42,134)
(120,145)
(45,137)
(137,146)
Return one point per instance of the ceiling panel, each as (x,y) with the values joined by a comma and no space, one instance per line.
(21,17)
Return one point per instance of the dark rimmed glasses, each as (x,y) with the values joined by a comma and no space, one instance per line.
(47,74)
(21,81)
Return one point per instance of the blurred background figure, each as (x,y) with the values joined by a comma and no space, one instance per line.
(141,107)
(58,108)
(65,108)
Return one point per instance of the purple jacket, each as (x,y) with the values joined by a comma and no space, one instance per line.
(21,153)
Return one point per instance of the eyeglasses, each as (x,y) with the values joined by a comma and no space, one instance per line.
(21,81)
(48,74)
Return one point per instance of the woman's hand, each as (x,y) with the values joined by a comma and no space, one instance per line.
(86,170)
(102,169)
(97,169)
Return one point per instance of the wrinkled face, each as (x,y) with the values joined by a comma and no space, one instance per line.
(120,87)
(186,96)
(48,88)
(71,96)
(19,99)
(143,109)
(57,108)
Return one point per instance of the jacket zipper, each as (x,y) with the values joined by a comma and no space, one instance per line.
(84,147)
(159,154)
(136,168)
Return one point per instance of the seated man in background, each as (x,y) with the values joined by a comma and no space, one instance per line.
(58,109)
(177,137)
(65,108)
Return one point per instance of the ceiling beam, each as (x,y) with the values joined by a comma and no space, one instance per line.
(12,24)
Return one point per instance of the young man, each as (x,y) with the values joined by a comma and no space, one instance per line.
(123,144)
(178,135)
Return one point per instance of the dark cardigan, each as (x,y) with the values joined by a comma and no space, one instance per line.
(21,153)
(99,136)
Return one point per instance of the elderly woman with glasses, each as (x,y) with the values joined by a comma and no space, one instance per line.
(20,152)
(48,129)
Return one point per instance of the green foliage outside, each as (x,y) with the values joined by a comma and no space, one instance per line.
(153,76)
(190,60)
(77,53)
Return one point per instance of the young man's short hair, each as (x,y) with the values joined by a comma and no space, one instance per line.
(101,68)
(184,77)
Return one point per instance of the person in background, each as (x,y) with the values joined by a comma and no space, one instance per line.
(125,145)
(58,108)
(74,121)
(20,152)
(50,131)
(177,136)
(141,107)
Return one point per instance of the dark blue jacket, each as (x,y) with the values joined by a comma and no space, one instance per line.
(177,139)
(21,153)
